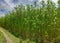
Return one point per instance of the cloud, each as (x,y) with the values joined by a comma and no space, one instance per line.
(46,1)
(30,0)
(9,5)
(41,0)
(2,14)
(55,1)
(6,6)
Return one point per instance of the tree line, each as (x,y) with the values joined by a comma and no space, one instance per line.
(36,23)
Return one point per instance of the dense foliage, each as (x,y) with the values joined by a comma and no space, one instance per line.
(40,24)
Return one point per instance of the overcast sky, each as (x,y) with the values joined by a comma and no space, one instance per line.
(7,5)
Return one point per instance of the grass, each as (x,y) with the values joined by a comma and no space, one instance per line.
(2,38)
(15,39)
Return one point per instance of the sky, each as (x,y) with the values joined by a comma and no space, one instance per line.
(8,5)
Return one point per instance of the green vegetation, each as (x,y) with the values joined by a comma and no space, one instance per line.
(12,37)
(39,24)
(2,38)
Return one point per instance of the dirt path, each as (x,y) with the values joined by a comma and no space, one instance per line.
(6,36)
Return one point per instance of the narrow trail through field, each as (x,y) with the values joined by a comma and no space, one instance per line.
(6,36)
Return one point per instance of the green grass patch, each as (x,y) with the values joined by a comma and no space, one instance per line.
(2,38)
(14,39)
